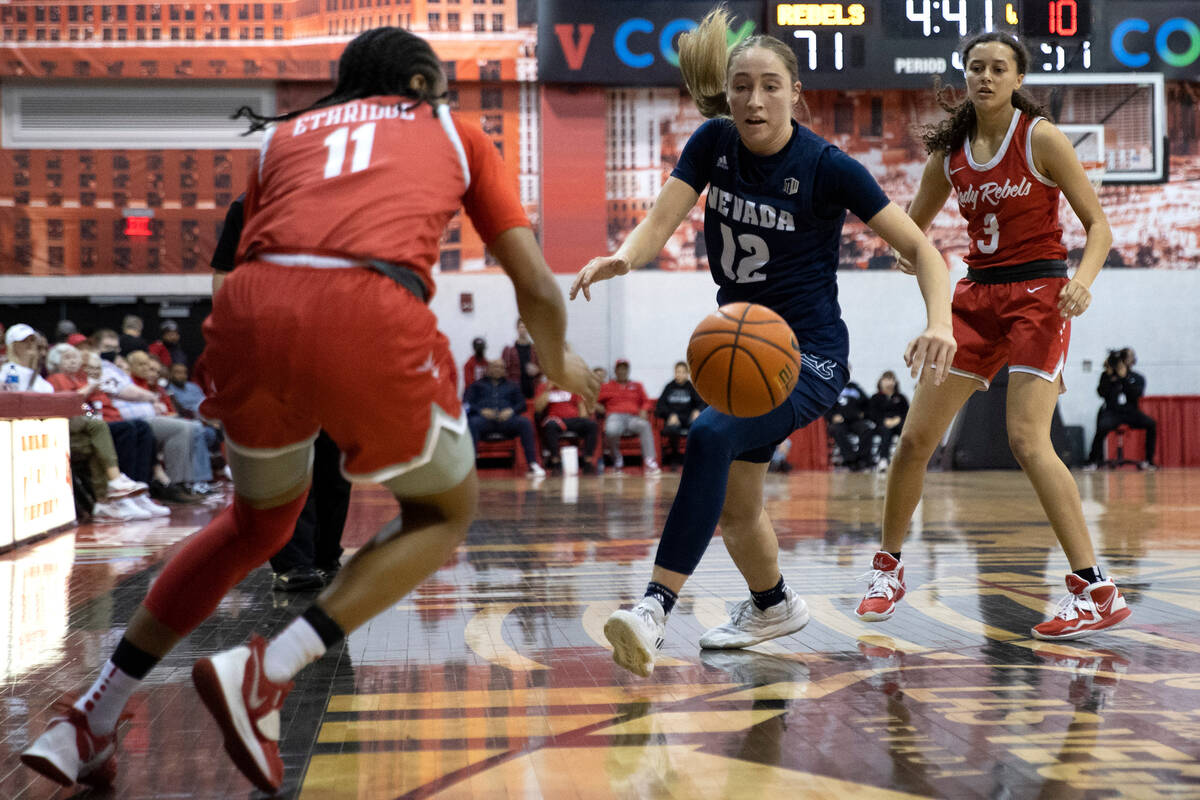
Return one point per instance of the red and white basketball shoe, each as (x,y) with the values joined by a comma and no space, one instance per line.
(69,753)
(886,580)
(245,704)
(1087,608)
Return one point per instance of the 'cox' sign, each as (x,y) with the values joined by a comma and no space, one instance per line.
(1134,55)
(578,42)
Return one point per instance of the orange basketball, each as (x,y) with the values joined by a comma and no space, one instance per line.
(744,359)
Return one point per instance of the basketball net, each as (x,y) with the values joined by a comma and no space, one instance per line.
(1095,171)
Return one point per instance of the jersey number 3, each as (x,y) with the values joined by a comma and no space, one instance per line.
(749,265)
(364,139)
(991,227)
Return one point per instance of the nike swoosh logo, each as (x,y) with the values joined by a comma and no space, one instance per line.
(1106,605)
(960,169)
(1034,289)
(256,700)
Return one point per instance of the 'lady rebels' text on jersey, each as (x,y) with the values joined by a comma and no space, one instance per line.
(773,225)
(376,178)
(1011,209)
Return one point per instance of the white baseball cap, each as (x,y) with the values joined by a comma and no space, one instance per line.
(18,333)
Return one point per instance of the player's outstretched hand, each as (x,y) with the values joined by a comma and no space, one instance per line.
(1074,299)
(934,349)
(598,269)
(576,376)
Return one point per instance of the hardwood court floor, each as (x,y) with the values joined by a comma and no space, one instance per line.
(493,679)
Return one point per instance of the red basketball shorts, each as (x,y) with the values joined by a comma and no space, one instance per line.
(291,350)
(1014,323)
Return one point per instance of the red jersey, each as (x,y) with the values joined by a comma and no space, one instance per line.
(98,400)
(1011,209)
(562,404)
(371,179)
(622,398)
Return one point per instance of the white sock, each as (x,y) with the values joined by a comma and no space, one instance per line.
(292,650)
(104,702)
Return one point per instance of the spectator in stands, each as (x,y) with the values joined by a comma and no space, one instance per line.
(495,406)
(521,361)
(625,405)
(1122,389)
(475,368)
(886,411)
(601,374)
(131,335)
(145,373)
(559,412)
(119,498)
(64,330)
(43,349)
(133,439)
(849,417)
(187,395)
(167,348)
(173,435)
(20,371)
(678,406)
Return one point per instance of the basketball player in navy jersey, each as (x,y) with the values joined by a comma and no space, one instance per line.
(1007,164)
(777,198)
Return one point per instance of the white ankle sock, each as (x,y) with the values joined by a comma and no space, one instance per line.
(104,702)
(292,650)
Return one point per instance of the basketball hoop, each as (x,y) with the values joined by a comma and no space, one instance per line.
(1095,172)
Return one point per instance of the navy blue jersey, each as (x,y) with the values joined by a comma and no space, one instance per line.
(773,225)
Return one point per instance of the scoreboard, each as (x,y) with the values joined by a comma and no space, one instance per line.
(904,43)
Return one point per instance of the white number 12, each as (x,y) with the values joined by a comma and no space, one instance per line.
(364,139)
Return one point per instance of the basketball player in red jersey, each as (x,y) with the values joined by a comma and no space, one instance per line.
(1007,164)
(324,324)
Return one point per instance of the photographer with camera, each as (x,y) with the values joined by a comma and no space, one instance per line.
(1121,389)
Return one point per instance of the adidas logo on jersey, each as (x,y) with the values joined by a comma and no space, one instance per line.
(722,163)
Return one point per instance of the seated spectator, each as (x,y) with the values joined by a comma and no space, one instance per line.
(20,371)
(173,436)
(849,416)
(521,361)
(167,348)
(601,374)
(886,410)
(624,404)
(678,406)
(131,335)
(64,330)
(119,498)
(560,412)
(475,367)
(1122,390)
(145,373)
(495,406)
(133,439)
(187,397)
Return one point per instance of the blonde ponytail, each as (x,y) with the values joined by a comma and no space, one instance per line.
(704,62)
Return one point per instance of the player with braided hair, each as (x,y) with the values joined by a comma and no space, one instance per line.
(325,325)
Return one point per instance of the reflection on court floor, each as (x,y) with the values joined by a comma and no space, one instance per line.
(494,680)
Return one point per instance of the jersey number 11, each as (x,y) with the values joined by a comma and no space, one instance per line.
(364,139)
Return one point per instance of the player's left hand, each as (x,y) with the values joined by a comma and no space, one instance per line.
(934,349)
(1074,299)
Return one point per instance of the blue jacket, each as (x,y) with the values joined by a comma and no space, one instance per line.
(497,395)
